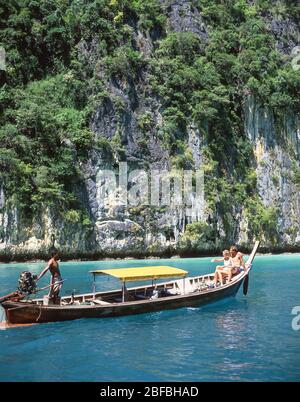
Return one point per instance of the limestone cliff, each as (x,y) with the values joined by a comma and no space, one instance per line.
(131,116)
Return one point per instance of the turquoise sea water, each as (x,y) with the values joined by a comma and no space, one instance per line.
(242,338)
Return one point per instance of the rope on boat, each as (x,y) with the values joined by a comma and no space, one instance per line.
(39,316)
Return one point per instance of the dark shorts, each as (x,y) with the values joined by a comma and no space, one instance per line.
(55,289)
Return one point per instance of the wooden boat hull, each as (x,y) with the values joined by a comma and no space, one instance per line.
(26,313)
(32,312)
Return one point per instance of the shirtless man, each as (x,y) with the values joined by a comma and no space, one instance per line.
(237,263)
(55,282)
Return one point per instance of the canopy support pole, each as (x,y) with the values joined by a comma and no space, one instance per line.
(123,292)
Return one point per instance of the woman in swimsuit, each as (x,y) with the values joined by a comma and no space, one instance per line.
(222,268)
(237,263)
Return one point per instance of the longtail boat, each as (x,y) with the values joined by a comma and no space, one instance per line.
(180,292)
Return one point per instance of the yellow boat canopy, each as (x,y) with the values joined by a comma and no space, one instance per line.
(142,273)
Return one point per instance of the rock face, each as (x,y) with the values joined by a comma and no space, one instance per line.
(119,230)
(184,17)
(277,152)
(286,33)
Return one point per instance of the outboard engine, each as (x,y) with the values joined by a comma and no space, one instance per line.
(27,282)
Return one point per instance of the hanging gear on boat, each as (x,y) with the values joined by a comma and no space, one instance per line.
(27,282)
(14,296)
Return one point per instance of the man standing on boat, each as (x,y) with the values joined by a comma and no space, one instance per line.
(56,280)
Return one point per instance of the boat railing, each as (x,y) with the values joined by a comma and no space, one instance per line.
(182,286)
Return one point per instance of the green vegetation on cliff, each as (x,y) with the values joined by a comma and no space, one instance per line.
(50,89)
(47,92)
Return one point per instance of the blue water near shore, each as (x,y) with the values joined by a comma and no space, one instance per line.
(243,338)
